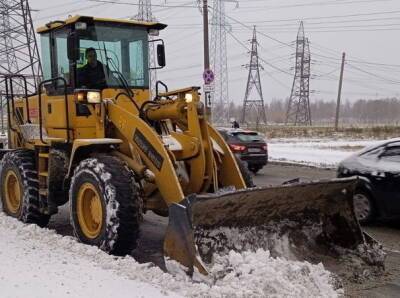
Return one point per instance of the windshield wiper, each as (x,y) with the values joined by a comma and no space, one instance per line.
(124,83)
(105,53)
(120,75)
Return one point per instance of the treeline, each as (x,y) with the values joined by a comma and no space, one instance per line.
(371,111)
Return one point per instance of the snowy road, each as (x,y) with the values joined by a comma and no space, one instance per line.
(315,152)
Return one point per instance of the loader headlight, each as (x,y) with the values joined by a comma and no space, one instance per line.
(88,96)
(188,97)
(93,97)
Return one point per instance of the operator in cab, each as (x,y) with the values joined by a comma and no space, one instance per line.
(91,76)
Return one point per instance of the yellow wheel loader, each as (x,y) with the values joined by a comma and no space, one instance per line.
(92,136)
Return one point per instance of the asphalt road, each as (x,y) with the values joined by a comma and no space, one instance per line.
(150,245)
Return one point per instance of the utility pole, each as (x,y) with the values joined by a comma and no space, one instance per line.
(339,93)
(207,94)
(298,112)
(206,36)
(251,103)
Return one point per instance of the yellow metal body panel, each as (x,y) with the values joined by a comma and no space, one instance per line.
(78,143)
(74,19)
(129,125)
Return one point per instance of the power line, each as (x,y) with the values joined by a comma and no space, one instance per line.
(318,4)
(263,34)
(311,25)
(137,4)
(68,12)
(374,74)
(263,60)
(324,3)
(330,17)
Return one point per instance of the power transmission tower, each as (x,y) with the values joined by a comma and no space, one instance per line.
(19,52)
(252,106)
(219,64)
(298,112)
(145,14)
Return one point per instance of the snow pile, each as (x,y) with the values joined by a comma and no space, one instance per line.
(38,262)
(259,275)
(314,152)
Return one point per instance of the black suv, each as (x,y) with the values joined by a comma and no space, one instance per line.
(248,145)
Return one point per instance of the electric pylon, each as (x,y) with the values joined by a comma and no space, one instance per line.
(19,52)
(254,108)
(145,14)
(298,112)
(219,64)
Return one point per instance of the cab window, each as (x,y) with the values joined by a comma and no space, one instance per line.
(46,56)
(61,55)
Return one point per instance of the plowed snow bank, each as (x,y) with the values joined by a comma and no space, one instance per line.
(37,262)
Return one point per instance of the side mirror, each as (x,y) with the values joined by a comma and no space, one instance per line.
(73,46)
(161,55)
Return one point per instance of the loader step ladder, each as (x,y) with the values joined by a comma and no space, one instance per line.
(43,174)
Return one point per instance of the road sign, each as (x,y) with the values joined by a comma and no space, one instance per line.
(208,88)
(208,76)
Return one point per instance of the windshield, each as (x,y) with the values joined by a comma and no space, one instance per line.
(248,136)
(113,56)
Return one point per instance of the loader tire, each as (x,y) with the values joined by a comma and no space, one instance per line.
(245,172)
(105,205)
(58,170)
(20,187)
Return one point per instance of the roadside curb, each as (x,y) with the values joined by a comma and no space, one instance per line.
(294,164)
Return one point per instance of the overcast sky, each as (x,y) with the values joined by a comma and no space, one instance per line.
(367,30)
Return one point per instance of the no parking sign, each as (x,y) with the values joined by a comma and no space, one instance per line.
(208,76)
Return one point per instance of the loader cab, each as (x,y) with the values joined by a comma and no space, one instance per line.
(121,49)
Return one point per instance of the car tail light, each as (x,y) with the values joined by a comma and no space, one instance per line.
(237,148)
(265,147)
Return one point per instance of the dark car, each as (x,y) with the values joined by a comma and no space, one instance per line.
(248,145)
(378,195)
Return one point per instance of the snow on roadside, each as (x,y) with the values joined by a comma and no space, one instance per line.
(37,262)
(314,152)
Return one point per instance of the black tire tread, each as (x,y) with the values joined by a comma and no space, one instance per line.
(58,169)
(373,214)
(123,240)
(24,162)
(248,179)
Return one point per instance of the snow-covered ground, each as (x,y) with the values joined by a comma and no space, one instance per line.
(314,152)
(37,262)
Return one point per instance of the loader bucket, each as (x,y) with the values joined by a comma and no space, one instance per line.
(316,218)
